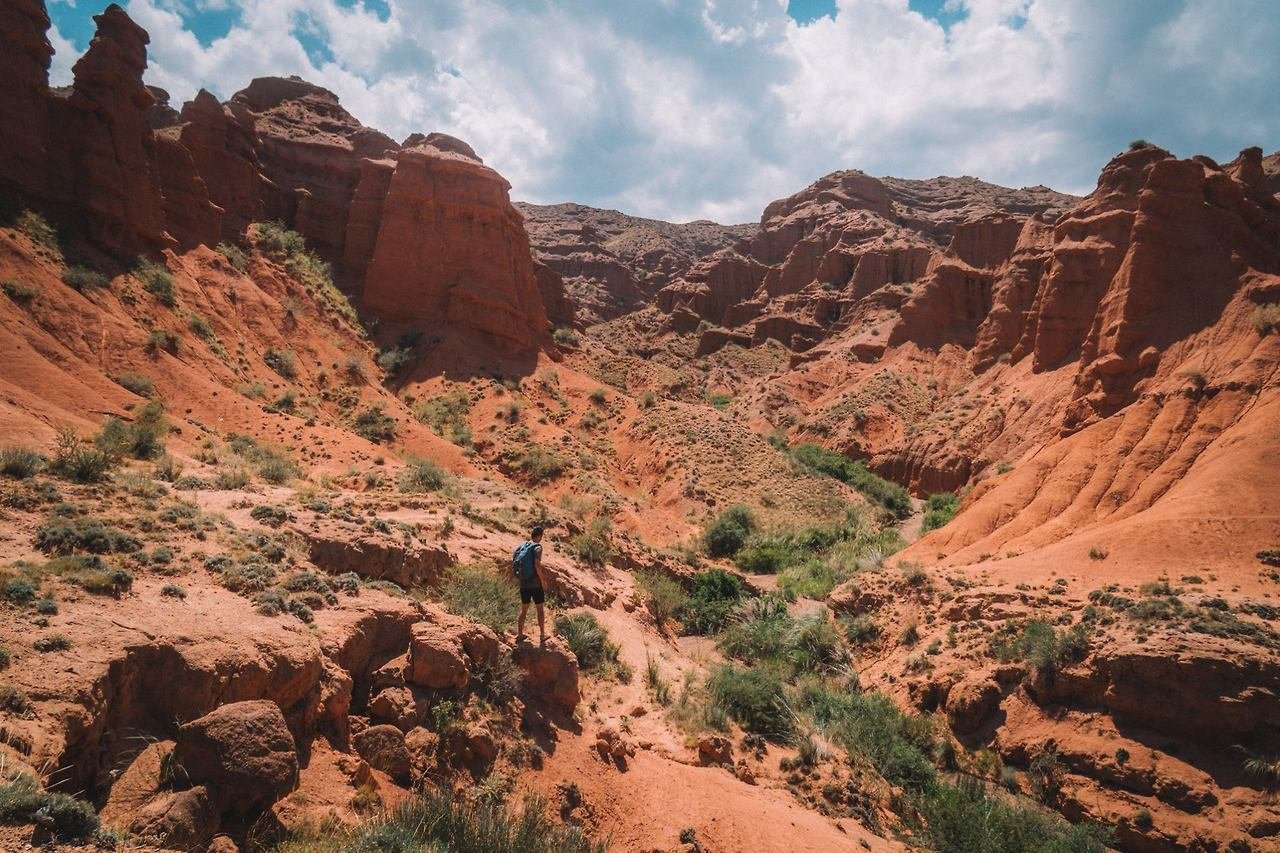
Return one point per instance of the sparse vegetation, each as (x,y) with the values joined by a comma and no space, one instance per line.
(235,256)
(21,798)
(281,243)
(593,545)
(447,415)
(135,383)
(1097,553)
(480,594)
(19,463)
(422,475)
(889,495)
(157,281)
(565,337)
(439,819)
(590,643)
(1036,642)
(754,698)
(39,230)
(537,465)
(83,279)
(373,424)
(19,292)
(282,361)
(1266,319)
(664,597)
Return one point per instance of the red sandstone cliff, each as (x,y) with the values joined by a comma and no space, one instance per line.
(134,176)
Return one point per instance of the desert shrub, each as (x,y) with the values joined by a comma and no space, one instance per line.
(1266,319)
(15,701)
(231,478)
(271,516)
(142,439)
(1139,144)
(373,424)
(172,590)
(84,279)
(537,465)
(282,361)
(939,509)
(251,576)
(963,817)
(59,535)
(761,631)
(565,337)
(593,546)
(713,596)
(300,610)
(21,798)
(720,402)
(19,292)
(157,281)
(163,340)
(588,639)
(440,819)
(480,594)
(19,463)
(273,238)
(664,597)
(754,698)
(860,629)
(199,324)
(52,643)
(422,475)
(764,558)
(396,359)
(1037,643)
(19,591)
(235,256)
(39,230)
(134,382)
(6,657)
(855,474)
(447,414)
(728,532)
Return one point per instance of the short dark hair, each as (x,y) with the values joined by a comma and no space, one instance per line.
(536,531)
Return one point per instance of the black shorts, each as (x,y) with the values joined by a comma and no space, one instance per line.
(532,593)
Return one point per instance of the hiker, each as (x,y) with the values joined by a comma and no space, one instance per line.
(526,563)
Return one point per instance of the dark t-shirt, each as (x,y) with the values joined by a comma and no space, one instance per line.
(533,582)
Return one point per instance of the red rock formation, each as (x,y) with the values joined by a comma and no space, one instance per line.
(223,148)
(451,251)
(24,121)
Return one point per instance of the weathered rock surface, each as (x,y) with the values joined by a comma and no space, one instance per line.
(384,748)
(377,556)
(551,672)
(242,752)
(971,701)
(436,658)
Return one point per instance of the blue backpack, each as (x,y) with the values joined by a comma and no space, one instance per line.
(522,561)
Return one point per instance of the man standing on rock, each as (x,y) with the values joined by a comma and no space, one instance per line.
(526,563)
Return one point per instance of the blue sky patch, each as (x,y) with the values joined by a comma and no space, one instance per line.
(808,11)
(938,10)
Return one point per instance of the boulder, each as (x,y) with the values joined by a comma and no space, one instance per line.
(391,673)
(436,658)
(397,706)
(384,748)
(181,820)
(715,749)
(222,844)
(613,745)
(972,701)
(550,672)
(335,548)
(423,746)
(243,752)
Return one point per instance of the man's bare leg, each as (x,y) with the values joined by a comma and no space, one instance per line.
(542,631)
(524,609)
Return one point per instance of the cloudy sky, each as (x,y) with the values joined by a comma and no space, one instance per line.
(684,109)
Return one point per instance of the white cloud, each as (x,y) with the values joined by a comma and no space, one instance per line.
(712,108)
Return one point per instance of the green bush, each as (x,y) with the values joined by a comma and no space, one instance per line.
(19,591)
(728,532)
(565,336)
(764,558)
(761,631)
(860,629)
(754,698)
(593,547)
(538,465)
(84,279)
(713,596)
(939,509)
(282,361)
(21,798)
(157,281)
(447,414)
(439,820)
(422,475)
(396,359)
(39,230)
(964,817)
(235,256)
(1036,642)
(482,595)
(588,639)
(52,643)
(1266,318)
(163,340)
(77,461)
(19,463)
(135,383)
(373,424)
(870,725)
(665,598)
(14,701)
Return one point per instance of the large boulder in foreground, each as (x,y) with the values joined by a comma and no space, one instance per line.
(437,659)
(243,752)
(550,672)
(384,748)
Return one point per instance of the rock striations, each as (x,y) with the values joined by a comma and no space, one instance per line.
(413,225)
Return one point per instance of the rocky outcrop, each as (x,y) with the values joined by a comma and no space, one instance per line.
(243,752)
(612,263)
(550,672)
(452,250)
(24,119)
(377,556)
(384,748)
(817,256)
(425,225)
